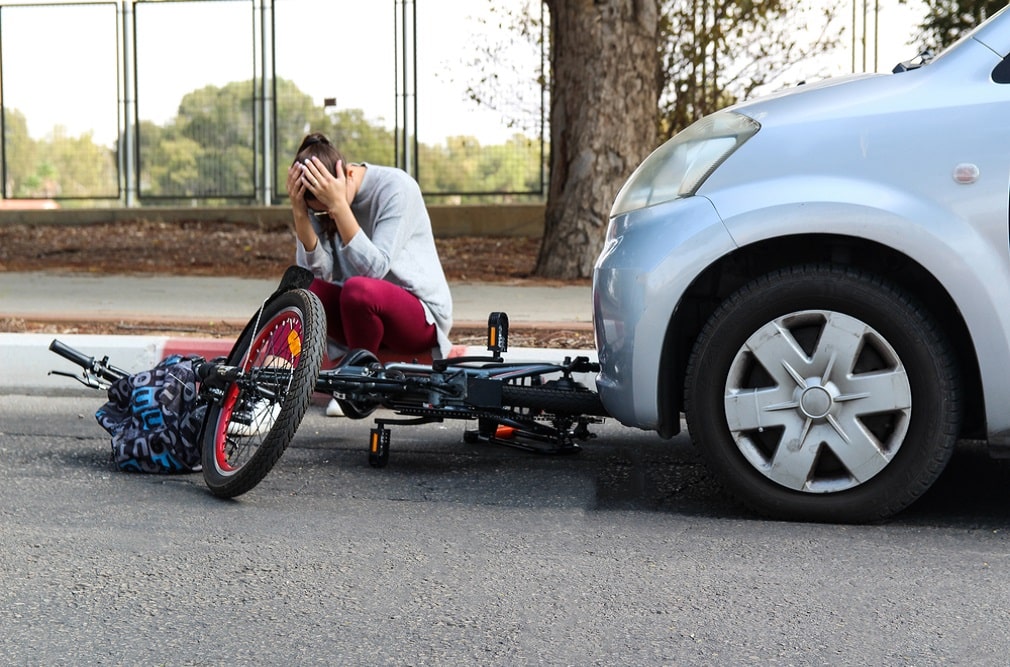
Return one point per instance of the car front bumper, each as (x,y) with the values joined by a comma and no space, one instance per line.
(651,258)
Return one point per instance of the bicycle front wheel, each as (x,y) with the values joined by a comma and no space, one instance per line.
(248,430)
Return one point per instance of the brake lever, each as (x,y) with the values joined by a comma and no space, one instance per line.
(85,378)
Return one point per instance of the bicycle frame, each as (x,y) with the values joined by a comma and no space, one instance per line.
(536,407)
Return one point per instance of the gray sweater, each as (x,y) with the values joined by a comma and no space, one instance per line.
(396,244)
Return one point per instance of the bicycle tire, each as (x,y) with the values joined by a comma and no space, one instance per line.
(246,433)
(550,399)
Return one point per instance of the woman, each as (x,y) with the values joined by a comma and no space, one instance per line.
(364,232)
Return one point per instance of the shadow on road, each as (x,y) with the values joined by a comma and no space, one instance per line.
(973,492)
(622,470)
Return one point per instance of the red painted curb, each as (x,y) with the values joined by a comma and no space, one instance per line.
(208,348)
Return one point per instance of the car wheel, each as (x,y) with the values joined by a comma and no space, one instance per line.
(823,394)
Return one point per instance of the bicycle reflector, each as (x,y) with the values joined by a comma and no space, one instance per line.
(498,333)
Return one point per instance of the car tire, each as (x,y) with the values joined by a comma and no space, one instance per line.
(821,393)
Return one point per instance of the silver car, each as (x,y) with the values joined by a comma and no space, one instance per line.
(820,282)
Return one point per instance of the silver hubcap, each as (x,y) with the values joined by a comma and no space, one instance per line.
(818,401)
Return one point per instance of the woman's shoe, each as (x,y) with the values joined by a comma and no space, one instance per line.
(333,409)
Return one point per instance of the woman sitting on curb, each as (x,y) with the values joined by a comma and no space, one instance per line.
(364,232)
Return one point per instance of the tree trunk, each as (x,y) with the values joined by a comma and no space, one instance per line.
(604,107)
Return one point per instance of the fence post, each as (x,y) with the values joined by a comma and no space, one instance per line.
(265,86)
(128,108)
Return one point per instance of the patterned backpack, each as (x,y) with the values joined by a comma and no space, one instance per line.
(154,419)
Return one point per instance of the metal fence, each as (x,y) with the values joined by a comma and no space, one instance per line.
(203,101)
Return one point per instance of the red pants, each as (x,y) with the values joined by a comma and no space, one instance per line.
(368,314)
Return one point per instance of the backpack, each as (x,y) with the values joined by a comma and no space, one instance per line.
(154,419)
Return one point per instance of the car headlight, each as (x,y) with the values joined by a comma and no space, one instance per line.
(679,167)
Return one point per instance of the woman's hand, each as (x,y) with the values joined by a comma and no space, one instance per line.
(332,192)
(299,209)
(296,189)
(329,189)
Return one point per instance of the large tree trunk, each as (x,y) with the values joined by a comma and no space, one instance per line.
(604,106)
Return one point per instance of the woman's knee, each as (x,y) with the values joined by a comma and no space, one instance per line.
(360,293)
(326,291)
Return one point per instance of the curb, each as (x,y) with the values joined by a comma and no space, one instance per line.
(26,361)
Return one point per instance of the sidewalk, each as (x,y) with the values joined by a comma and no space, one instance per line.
(25,359)
(193,298)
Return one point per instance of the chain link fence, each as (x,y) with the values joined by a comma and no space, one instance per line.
(200,102)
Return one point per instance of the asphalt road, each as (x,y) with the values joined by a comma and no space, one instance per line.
(457,554)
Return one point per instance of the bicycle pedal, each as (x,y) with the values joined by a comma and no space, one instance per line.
(498,333)
(378,447)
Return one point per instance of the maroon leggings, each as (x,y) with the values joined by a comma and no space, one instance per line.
(368,313)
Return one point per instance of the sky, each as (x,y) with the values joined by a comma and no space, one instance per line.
(75,85)
(895,29)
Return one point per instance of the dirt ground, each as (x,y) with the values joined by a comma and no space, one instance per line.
(248,251)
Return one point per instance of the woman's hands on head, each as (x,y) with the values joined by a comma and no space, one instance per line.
(329,189)
(332,193)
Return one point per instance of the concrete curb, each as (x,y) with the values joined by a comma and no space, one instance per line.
(26,361)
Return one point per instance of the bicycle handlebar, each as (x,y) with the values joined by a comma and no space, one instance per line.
(100,368)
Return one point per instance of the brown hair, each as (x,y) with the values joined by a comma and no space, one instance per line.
(317,145)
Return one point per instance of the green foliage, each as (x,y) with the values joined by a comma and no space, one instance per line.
(357,138)
(56,166)
(209,148)
(463,166)
(947,20)
(83,168)
(208,152)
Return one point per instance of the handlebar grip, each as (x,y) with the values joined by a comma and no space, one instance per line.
(71,354)
(100,368)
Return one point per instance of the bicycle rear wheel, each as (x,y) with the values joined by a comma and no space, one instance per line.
(248,430)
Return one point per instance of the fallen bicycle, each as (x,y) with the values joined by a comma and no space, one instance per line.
(256,396)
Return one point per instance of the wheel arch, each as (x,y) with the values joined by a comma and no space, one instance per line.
(735,269)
